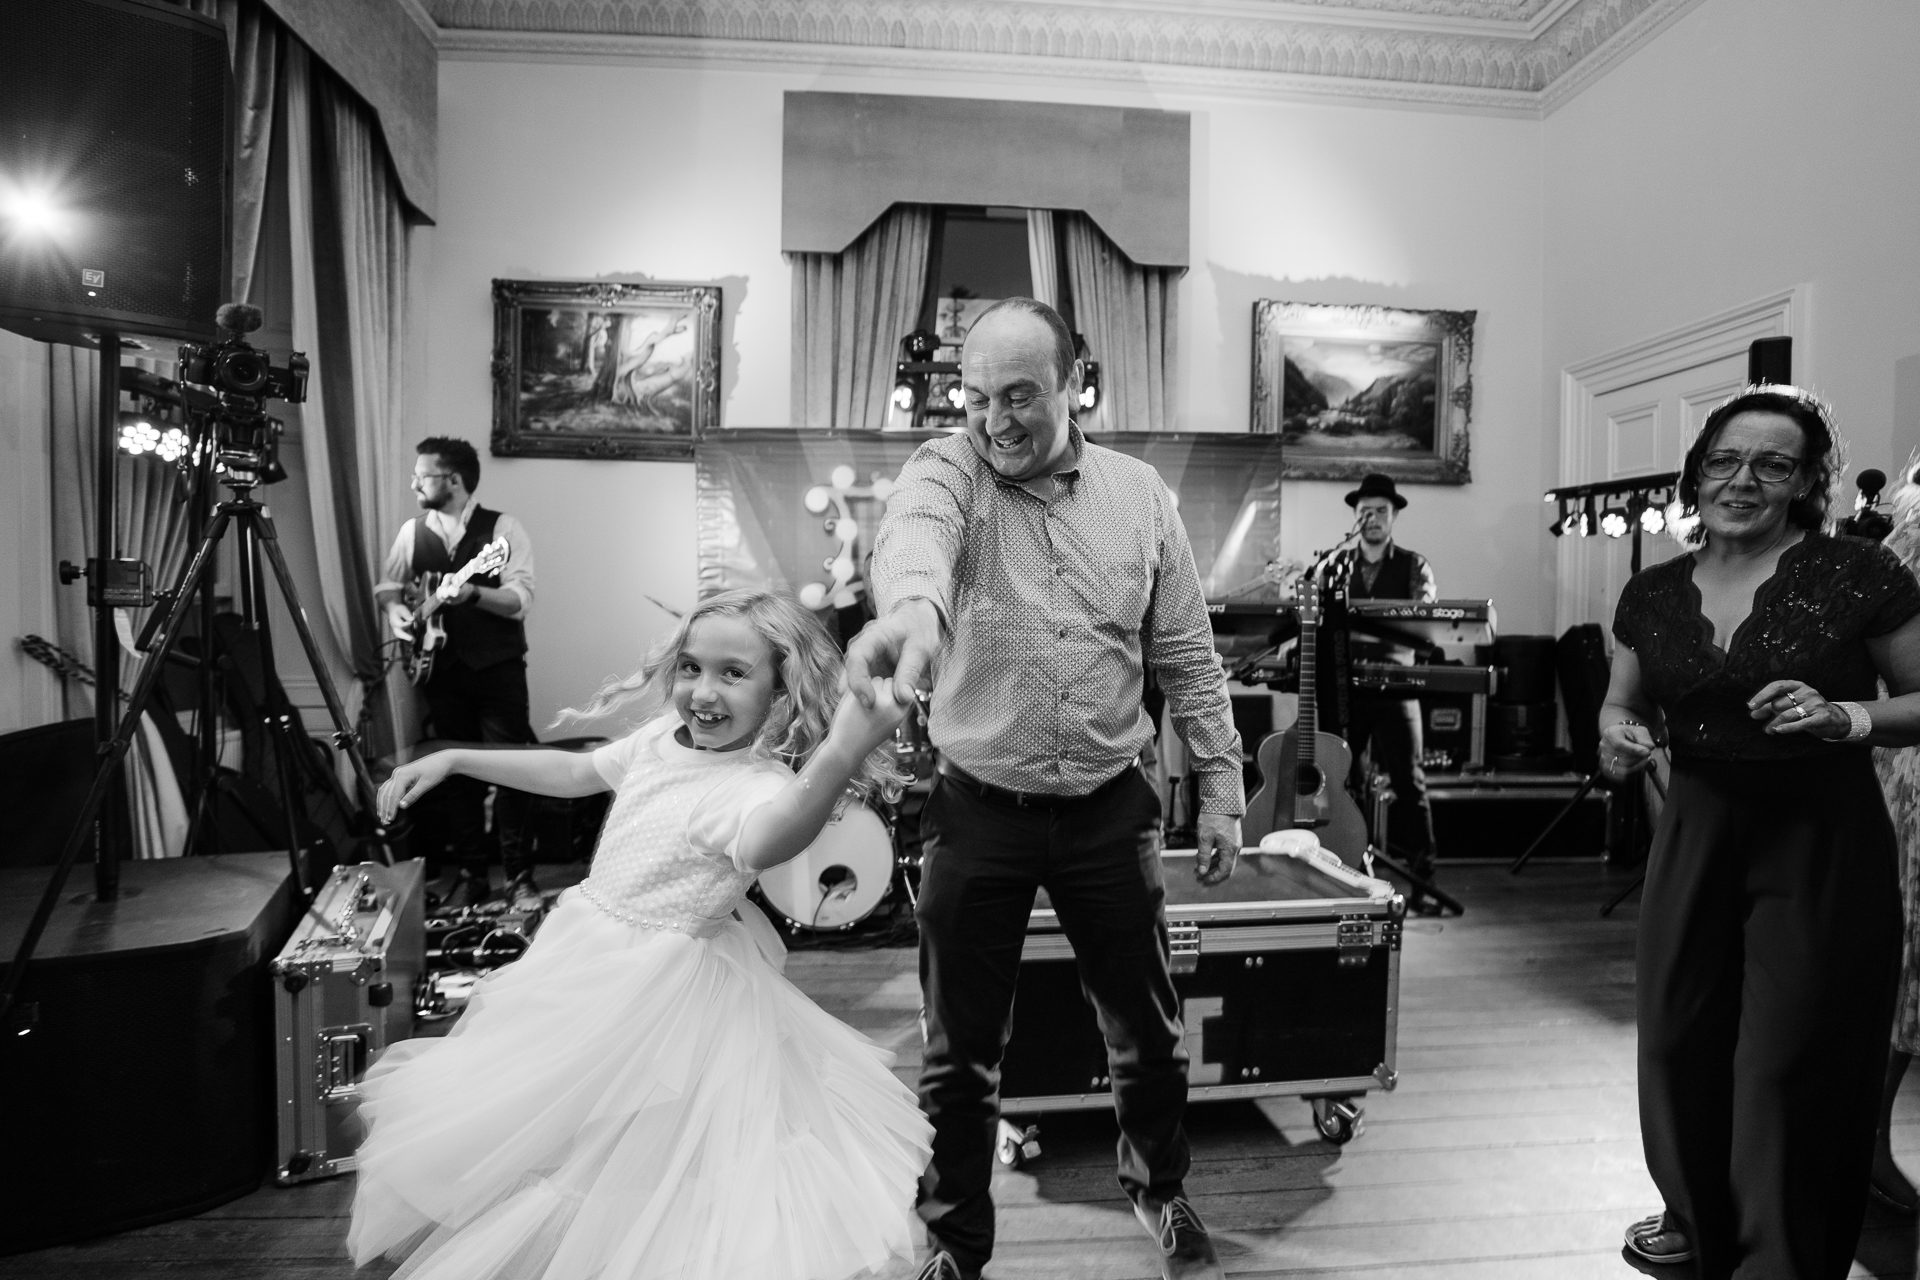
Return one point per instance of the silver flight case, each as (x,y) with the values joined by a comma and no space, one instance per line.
(343,991)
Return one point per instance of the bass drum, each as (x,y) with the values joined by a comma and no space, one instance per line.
(840,878)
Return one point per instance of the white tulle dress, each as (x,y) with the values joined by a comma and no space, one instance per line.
(643,1095)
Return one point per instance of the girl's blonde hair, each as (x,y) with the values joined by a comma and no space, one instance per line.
(1903,502)
(807,672)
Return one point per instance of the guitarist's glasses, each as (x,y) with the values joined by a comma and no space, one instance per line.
(420,477)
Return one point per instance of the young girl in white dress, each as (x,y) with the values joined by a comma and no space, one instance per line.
(642,1095)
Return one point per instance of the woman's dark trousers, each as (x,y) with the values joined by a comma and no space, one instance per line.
(1769,949)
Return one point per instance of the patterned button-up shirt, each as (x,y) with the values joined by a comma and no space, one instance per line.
(1055,607)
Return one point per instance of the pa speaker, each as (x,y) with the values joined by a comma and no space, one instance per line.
(1770,360)
(113,170)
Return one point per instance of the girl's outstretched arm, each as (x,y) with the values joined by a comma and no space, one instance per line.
(784,826)
(543,772)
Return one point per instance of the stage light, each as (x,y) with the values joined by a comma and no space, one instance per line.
(1090,385)
(956,396)
(903,396)
(138,436)
(1613,522)
(1652,520)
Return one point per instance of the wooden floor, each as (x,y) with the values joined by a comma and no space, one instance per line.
(1510,1148)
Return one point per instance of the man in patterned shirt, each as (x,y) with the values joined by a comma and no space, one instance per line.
(1036,578)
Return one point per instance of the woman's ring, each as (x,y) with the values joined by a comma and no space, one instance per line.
(1803,713)
(1794,697)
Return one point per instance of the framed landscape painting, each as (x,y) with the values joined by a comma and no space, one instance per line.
(604,370)
(1356,389)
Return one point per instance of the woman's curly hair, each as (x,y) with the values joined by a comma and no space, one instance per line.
(1825,460)
(807,671)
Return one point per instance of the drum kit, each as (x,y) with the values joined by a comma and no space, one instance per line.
(856,864)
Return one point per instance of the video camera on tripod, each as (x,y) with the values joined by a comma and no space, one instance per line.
(223,390)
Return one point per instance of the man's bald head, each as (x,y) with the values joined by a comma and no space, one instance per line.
(1064,352)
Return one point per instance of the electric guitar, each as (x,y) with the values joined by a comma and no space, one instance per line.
(1303,771)
(425,633)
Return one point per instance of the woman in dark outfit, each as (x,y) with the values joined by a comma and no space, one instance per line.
(1770,932)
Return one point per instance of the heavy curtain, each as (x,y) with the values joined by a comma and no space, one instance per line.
(1128,314)
(349,225)
(850,311)
(149,525)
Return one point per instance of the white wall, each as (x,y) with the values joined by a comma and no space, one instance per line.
(1755,145)
(573,171)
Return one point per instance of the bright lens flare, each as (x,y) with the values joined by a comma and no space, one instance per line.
(31,211)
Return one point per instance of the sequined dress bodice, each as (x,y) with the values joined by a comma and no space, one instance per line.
(647,870)
(1810,622)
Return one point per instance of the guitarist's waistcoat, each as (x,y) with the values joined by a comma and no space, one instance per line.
(475,638)
(1395,581)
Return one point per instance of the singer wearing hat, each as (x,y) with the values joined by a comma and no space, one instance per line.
(1378,568)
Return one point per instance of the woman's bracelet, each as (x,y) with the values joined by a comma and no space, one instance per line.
(1859,723)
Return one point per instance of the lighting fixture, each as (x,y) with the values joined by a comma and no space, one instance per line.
(1653,520)
(1613,522)
(1089,385)
(903,396)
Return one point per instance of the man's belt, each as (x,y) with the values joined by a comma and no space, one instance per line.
(1027,799)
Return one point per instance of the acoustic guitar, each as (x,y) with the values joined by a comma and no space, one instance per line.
(1303,771)
(425,633)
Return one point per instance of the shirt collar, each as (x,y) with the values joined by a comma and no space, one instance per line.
(452,530)
(1047,487)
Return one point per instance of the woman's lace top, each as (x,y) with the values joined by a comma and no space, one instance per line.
(1810,621)
(665,858)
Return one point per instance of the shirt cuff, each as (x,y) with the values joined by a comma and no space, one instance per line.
(1222,793)
(520,594)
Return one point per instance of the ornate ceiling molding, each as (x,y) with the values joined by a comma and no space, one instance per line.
(1519,57)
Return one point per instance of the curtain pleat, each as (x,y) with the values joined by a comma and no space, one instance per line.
(253,49)
(850,311)
(350,231)
(1128,314)
(1043,257)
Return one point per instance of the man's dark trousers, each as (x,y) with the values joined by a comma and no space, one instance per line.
(1392,727)
(484,706)
(1098,857)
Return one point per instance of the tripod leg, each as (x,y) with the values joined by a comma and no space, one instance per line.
(278,711)
(1419,882)
(111,754)
(343,732)
(1622,896)
(1593,780)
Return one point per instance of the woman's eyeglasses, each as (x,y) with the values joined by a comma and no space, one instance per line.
(1768,468)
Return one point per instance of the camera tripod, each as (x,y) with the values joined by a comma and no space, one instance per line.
(259,550)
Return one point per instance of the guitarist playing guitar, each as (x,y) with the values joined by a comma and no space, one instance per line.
(477,690)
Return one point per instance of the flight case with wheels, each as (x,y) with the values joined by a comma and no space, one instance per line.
(343,991)
(1289,982)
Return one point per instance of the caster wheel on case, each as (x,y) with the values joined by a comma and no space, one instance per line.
(1337,1119)
(1014,1147)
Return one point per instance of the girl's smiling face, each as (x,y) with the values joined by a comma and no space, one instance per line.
(723,683)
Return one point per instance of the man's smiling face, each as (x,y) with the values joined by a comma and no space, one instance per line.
(1017,403)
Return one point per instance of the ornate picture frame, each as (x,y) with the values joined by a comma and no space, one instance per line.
(1357,389)
(603,369)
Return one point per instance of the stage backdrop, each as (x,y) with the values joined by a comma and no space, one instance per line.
(756,528)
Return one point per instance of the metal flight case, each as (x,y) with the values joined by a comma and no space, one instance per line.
(1289,982)
(343,991)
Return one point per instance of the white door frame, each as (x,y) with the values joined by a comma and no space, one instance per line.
(1778,315)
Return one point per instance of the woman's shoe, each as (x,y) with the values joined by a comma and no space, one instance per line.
(1651,1240)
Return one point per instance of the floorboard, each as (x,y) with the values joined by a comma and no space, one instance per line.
(1509,1151)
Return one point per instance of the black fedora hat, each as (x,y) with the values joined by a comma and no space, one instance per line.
(1375,485)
